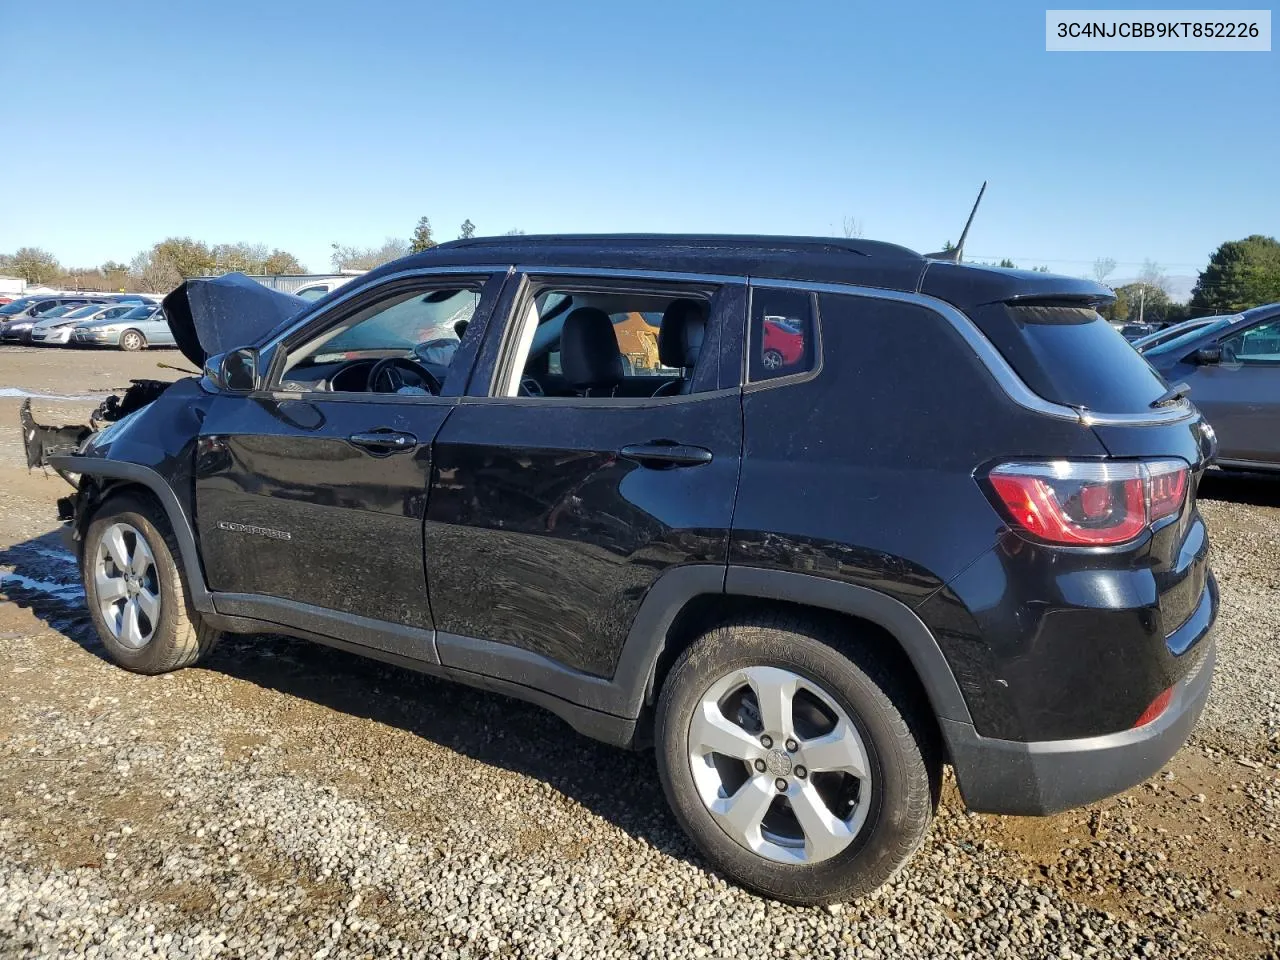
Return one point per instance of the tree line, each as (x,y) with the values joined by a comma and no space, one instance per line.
(156,270)
(1240,273)
(166,264)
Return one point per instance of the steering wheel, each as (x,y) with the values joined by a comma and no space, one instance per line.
(397,372)
(530,387)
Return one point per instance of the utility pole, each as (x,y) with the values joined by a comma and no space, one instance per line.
(1142,301)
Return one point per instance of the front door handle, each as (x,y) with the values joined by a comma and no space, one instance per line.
(384,441)
(662,453)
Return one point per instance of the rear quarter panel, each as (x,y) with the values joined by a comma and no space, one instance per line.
(865,473)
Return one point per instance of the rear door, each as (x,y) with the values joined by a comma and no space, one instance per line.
(312,493)
(1240,396)
(554,508)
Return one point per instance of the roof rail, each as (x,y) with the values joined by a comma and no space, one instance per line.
(864,248)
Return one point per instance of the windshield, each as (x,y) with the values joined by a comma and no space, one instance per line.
(61,311)
(9,309)
(1181,342)
(80,312)
(140,312)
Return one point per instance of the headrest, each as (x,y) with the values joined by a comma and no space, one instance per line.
(589,354)
(684,326)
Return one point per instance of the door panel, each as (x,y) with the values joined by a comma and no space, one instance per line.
(542,535)
(289,507)
(317,498)
(1242,403)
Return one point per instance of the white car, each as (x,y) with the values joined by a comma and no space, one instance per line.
(314,291)
(57,330)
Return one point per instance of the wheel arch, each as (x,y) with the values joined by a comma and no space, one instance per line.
(101,478)
(698,607)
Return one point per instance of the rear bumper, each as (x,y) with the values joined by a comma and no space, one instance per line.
(1034,779)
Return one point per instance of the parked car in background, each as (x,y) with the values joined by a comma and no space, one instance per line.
(314,291)
(54,329)
(17,318)
(1232,367)
(141,325)
(1136,331)
(1173,331)
(783,343)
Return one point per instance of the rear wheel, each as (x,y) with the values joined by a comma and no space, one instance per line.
(132,340)
(772,359)
(136,590)
(799,771)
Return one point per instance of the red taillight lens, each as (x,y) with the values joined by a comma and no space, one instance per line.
(1167,487)
(1157,706)
(1089,504)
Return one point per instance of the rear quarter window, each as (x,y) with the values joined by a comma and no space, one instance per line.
(1069,354)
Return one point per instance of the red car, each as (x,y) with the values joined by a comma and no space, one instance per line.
(783,343)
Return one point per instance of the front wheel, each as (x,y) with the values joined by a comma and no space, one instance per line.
(136,590)
(132,340)
(802,772)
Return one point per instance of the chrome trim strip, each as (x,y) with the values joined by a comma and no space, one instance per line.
(308,316)
(1013,385)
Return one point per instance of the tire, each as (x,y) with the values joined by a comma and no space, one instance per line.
(178,637)
(132,340)
(773,360)
(882,819)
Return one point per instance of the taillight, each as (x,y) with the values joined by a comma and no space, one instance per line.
(1089,503)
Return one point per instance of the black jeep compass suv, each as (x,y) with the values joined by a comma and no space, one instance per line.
(810,517)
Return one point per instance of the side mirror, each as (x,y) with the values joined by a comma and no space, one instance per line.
(235,371)
(1208,355)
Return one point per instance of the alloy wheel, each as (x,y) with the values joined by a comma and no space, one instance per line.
(127,585)
(779,765)
(772,359)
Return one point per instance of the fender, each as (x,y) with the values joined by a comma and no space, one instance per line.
(178,522)
(899,620)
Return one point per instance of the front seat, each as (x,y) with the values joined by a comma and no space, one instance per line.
(589,354)
(684,327)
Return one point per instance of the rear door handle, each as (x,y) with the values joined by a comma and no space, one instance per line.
(666,454)
(384,441)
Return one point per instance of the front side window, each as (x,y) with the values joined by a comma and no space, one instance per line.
(606,343)
(414,330)
(1258,345)
(783,334)
(311,293)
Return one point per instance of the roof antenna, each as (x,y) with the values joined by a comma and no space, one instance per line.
(956,253)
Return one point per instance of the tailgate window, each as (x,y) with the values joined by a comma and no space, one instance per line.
(1067,353)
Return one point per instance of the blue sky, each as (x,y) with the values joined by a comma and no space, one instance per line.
(298,125)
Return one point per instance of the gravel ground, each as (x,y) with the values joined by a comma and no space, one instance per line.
(286,800)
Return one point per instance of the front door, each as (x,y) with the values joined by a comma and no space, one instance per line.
(598,448)
(1240,396)
(311,494)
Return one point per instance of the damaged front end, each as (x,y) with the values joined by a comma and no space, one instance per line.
(146,437)
(44,442)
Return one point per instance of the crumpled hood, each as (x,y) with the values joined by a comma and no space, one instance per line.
(212,315)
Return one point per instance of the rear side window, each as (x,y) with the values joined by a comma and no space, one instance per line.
(1068,354)
(783,334)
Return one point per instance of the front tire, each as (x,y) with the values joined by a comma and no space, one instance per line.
(802,772)
(132,341)
(137,592)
